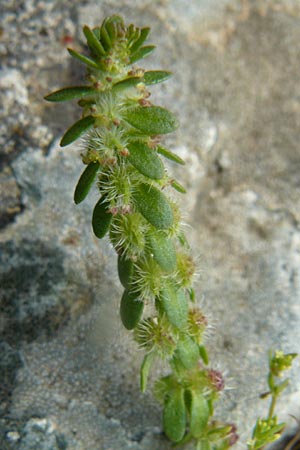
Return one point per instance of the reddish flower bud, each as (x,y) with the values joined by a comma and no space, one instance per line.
(124,152)
(233,436)
(216,379)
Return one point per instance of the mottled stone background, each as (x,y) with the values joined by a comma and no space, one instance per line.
(68,371)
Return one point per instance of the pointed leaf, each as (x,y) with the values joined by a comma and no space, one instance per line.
(174,416)
(105,38)
(192,294)
(130,31)
(188,352)
(163,251)
(141,53)
(101,218)
(145,160)
(131,309)
(199,414)
(96,31)
(175,305)
(126,84)
(111,30)
(145,368)
(133,35)
(219,433)
(94,44)
(77,130)
(178,186)
(125,270)
(153,205)
(84,59)
(156,76)
(204,354)
(151,119)
(70,93)
(117,20)
(169,155)
(85,182)
(144,32)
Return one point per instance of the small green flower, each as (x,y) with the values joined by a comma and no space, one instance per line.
(265,432)
(279,362)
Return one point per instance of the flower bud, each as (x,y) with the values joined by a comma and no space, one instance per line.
(216,380)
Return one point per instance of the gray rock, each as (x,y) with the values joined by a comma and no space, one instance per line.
(10,201)
(40,434)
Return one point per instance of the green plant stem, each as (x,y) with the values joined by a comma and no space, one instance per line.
(272,406)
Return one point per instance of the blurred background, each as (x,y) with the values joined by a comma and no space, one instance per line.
(68,371)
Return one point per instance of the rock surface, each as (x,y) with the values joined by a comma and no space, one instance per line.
(68,371)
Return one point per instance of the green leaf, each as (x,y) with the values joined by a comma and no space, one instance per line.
(130,31)
(126,84)
(186,439)
(145,368)
(118,21)
(204,354)
(163,251)
(151,120)
(175,305)
(111,29)
(133,34)
(96,31)
(203,444)
(199,414)
(192,294)
(156,76)
(141,53)
(281,386)
(178,186)
(145,160)
(101,218)
(174,416)
(70,93)
(77,130)
(210,403)
(104,36)
(144,32)
(125,270)
(131,309)
(169,155)
(85,182)
(94,44)
(216,434)
(188,351)
(84,59)
(153,205)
